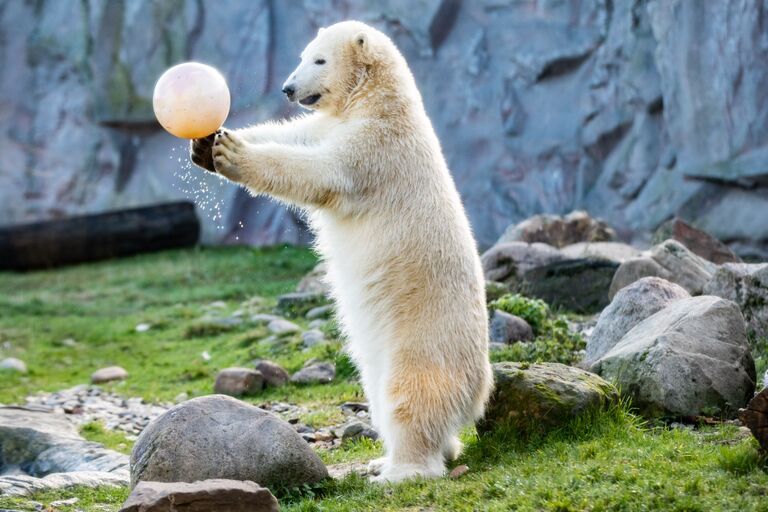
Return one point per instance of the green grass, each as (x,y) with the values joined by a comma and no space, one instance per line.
(96,432)
(607,461)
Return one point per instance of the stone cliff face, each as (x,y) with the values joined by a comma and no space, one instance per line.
(633,110)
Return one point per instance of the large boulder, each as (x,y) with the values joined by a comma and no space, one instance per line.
(541,397)
(631,305)
(579,285)
(217,495)
(508,262)
(746,285)
(42,451)
(690,358)
(559,231)
(218,436)
(611,251)
(669,260)
(698,241)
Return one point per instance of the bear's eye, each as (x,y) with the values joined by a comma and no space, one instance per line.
(320,62)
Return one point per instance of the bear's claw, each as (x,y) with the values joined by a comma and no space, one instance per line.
(227,151)
(201,152)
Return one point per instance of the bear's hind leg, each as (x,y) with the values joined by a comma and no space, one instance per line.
(419,420)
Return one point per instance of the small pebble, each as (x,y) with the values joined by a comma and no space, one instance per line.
(317,323)
(11,364)
(312,338)
(458,471)
(63,503)
(109,374)
(281,326)
(143,327)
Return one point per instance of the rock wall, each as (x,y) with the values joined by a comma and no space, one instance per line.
(631,109)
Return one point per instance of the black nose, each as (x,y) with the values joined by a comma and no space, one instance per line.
(289,91)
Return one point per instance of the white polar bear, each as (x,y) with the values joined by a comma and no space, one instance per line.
(402,262)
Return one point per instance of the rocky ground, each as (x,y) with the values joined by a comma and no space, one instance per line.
(604,353)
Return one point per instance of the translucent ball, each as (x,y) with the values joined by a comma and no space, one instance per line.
(191,100)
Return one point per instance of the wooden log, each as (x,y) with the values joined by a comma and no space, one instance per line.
(97,237)
(755,417)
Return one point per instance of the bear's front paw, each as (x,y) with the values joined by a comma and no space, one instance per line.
(228,154)
(201,152)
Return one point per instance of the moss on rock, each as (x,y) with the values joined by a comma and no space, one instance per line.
(543,396)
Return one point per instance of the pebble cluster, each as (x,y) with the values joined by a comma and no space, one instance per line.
(84,404)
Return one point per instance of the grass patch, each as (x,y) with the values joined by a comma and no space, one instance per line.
(89,500)
(95,431)
(554,340)
(603,461)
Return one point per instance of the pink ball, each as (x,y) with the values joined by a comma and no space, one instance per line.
(191,100)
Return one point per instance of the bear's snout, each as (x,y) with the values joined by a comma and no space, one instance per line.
(290,91)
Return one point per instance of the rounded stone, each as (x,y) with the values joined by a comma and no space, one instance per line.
(217,436)
(12,364)
(506,328)
(109,374)
(542,397)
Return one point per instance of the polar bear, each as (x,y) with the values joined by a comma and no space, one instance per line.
(402,262)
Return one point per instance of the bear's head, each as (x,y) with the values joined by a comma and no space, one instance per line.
(336,63)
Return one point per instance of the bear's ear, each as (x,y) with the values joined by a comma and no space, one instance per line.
(362,46)
(320,30)
(361,40)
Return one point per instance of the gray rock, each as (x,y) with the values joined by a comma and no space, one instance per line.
(508,262)
(315,373)
(280,326)
(108,374)
(356,430)
(23,485)
(320,312)
(299,303)
(314,282)
(747,286)
(354,407)
(508,329)
(49,448)
(226,321)
(274,375)
(215,495)
(317,323)
(12,364)
(699,242)
(264,318)
(669,260)
(591,107)
(559,231)
(542,397)
(312,337)
(631,305)
(611,251)
(690,358)
(577,285)
(220,437)
(238,382)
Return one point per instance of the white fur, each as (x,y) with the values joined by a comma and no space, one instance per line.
(402,262)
